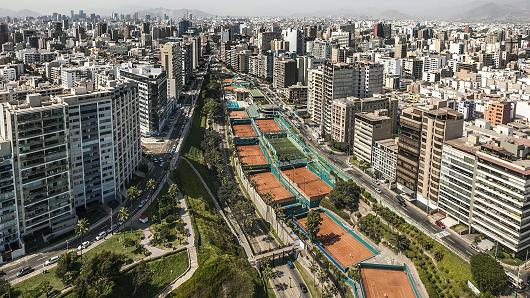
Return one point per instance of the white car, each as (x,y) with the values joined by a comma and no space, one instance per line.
(51,260)
(101,236)
(377,190)
(83,245)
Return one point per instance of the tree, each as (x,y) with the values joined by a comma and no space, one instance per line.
(313,266)
(68,267)
(98,275)
(321,276)
(43,289)
(123,214)
(400,242)
(151,184)
(133,193)
(314,220)
(173,191)
(267,272)
(355,273)
(438,255)
(81,228)
(488,273)
(141,276)
(5,287)
(346,195)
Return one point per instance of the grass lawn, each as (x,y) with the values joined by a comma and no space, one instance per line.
(164,271)
(115,244)
(459,228)
(23,288)
(308,280)
(270,290)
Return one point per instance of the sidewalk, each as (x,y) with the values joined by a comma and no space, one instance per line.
(192,253)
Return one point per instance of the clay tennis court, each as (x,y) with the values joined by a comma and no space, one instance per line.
(339,243)
(251,155)
(309,183)
(243,130)
(238,115)
(391,283)
(267,183)
(268,126)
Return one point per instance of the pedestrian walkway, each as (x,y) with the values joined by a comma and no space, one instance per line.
(192,252)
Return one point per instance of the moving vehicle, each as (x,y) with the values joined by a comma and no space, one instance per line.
(51,260)
(24,271)
(440,224)
(377,190)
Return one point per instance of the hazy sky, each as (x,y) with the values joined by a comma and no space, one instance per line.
(235,7)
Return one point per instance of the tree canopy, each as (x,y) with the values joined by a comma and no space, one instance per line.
(314,220)
(488,273)
(346,195)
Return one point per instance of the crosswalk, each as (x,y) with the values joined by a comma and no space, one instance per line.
(442,234)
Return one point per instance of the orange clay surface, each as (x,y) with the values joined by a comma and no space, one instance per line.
(267,183)
(251,155)
(238,114)
(243,130)
(268,126)
(340,244)
(379,282)
(309,183)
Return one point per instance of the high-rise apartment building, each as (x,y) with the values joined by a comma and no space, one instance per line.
(170,58)
(10,244)
(154,105)
(437,126)
(410,127)
(37,131)
(295,38)
(285,73)
(104,141)
(369,128)
(340,80)
(4,33)
(384,158)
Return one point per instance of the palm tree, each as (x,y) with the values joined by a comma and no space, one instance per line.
(321,275)
(313,266)
(151,184)
(173,191)
(267,273)
(133,193)
(81,228)
(123,214)
(401,243)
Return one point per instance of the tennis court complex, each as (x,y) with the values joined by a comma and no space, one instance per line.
(386,282)
(268,126)
(339,243)
(267,183)
(251,155)
(285,149)
(309,183)
(238,115)
(243,130)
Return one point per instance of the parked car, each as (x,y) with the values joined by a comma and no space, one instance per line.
(51,260)
(440,224)
(303,288)
(24,271)
(290,264)
(101,236)
(2,273)
(83,245)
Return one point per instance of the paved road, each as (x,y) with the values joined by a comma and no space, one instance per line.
(286,282)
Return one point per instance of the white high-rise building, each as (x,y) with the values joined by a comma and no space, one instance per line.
(38,133)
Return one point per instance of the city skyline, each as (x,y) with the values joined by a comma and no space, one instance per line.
(386,9)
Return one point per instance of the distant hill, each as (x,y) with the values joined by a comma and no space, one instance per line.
(18,14)
(491,11)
